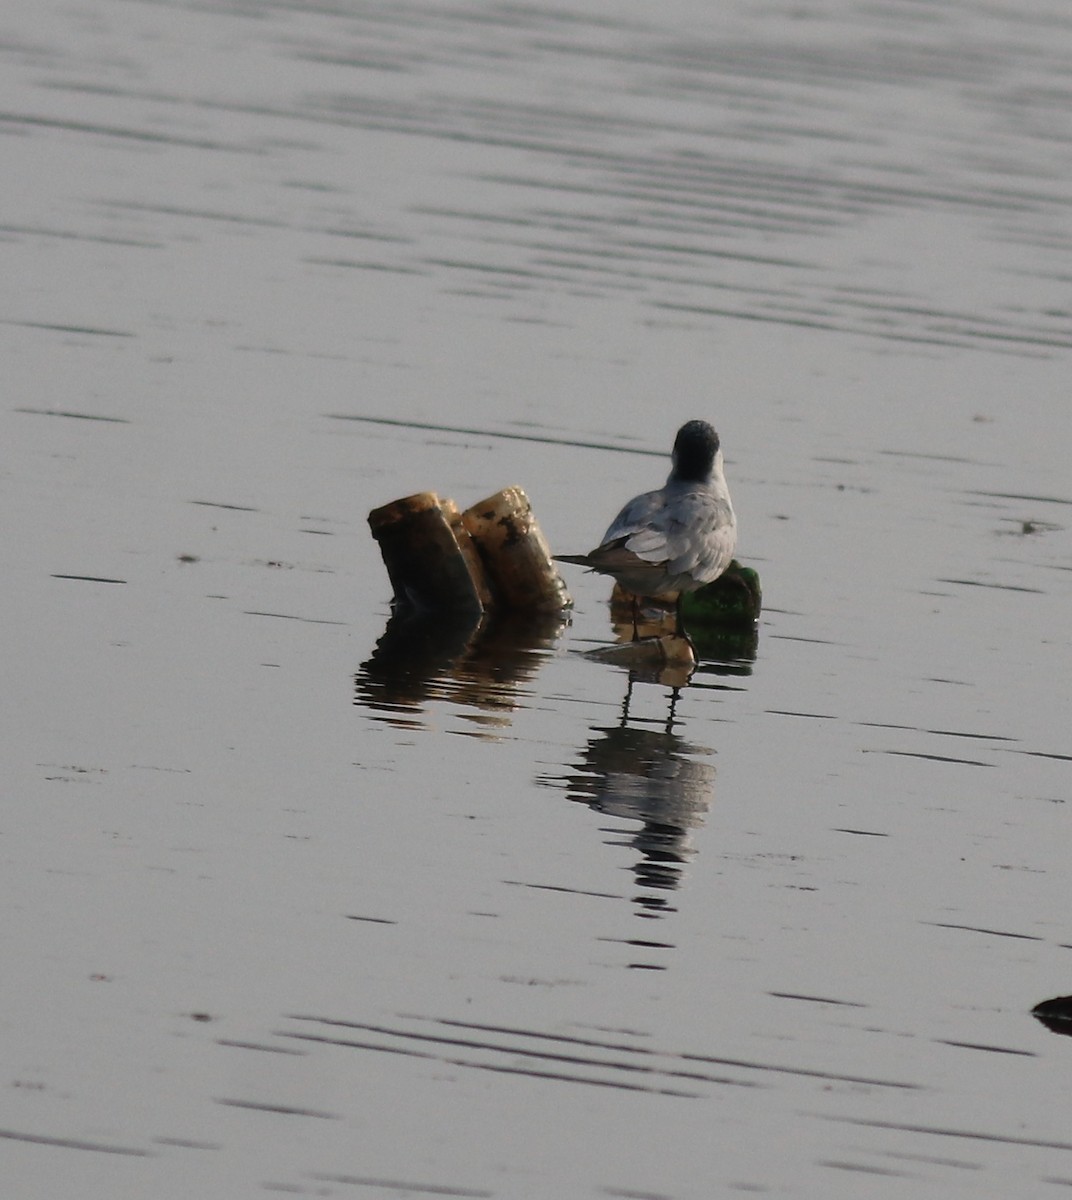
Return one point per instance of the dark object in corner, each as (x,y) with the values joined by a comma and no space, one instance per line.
(1055,1014)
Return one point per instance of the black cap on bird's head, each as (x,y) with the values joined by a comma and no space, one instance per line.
(695,448)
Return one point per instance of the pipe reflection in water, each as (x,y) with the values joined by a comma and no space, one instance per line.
(651,775)
(660,655)
(718,648)
(476,661)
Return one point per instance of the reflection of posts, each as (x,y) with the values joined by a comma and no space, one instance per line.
(414,654)
(653,777)
(468,659)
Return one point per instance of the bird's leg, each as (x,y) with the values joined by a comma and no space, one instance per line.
(682,632)
(636,617)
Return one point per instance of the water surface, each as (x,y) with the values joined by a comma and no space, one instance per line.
(299,900)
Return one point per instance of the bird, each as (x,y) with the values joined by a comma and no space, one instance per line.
(677,538)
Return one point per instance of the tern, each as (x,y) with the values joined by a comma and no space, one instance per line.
(675,539)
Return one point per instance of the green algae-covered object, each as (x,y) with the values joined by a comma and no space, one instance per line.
(732,601)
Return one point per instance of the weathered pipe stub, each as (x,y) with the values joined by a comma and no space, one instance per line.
(491,556)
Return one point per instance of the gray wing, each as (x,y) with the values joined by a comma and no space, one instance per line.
(688,531)
(636,516)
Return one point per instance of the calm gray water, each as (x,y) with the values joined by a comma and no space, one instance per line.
(298,902)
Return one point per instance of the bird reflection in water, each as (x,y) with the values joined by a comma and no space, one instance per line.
(646,772)
(480,663)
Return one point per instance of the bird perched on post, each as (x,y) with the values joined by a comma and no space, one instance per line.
(675,539)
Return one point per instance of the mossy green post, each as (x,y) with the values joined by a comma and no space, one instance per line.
(733,601)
